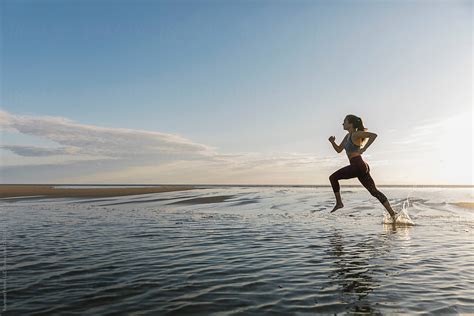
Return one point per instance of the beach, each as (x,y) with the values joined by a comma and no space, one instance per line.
(236,251)
(48,191)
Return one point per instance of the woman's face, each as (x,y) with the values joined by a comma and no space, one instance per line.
(345,124)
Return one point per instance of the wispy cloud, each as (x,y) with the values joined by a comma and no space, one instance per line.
(34,151)
(430,131)
(81,139)
(118,154)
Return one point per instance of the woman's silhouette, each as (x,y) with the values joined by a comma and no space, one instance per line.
(352,143)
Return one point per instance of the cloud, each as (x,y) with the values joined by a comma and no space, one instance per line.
(134,156)
(89,140)
(434,130)
(33,151)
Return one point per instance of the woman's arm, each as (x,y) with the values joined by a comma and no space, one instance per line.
(369,135)
(335,146)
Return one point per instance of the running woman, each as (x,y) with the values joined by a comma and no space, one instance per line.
(352,143)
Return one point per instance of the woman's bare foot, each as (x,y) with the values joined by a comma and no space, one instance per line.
(337,206)
(394,216)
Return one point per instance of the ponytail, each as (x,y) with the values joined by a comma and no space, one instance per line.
(359,125)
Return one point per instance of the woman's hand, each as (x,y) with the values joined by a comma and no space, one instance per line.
(332,138)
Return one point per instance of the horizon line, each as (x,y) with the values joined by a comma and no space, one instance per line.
(241,185)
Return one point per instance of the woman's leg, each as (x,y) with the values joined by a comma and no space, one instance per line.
(369,184)
(346,172)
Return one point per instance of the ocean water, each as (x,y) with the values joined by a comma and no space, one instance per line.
(274,251)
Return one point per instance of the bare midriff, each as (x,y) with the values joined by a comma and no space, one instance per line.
(353,154)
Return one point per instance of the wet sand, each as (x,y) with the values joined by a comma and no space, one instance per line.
(49,191)
(465,204)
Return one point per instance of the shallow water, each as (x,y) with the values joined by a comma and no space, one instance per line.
(254,251)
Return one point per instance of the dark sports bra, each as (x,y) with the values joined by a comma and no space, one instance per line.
(349,146)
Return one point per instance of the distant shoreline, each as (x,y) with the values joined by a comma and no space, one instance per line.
(48,191)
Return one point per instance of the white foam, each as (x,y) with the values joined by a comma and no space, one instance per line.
(401,218)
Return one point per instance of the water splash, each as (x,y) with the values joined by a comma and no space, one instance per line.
(402,217)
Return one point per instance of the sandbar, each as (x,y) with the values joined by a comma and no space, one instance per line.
(465,204)
(8,191)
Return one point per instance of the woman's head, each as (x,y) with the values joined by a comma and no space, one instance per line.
(355,122)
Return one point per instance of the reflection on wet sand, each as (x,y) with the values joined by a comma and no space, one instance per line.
(355,272)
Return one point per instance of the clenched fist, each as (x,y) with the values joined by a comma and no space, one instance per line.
(332,138)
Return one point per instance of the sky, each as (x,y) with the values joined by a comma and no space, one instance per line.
(233,92)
